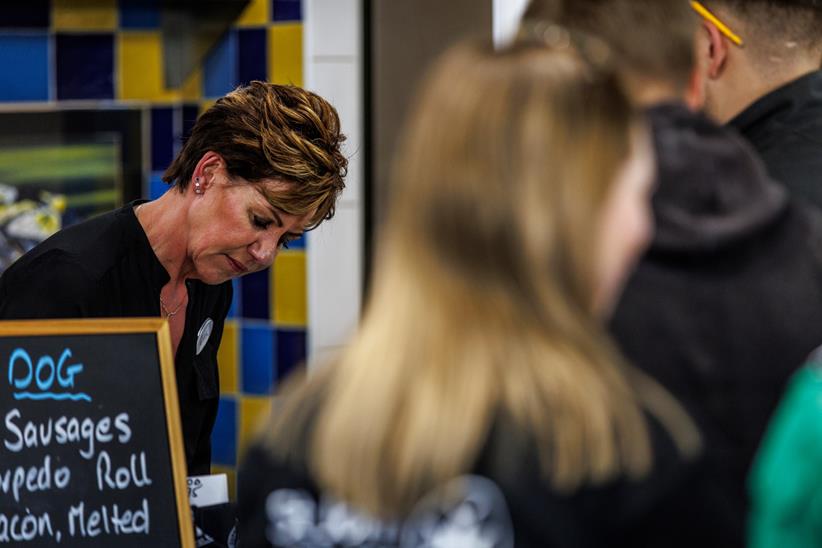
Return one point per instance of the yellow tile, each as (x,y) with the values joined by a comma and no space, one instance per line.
(192,89)
(206,104)
(285,54)
(289,295)
(254,411)
(231,475)
(140,67)
(84,14)
(228,359)
(256,14)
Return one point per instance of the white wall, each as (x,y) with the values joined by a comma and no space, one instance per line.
(332,58)
(507,14)
(333,67)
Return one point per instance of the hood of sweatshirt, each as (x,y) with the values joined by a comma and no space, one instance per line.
(712,191)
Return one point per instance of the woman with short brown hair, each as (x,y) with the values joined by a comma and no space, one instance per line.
(260,167)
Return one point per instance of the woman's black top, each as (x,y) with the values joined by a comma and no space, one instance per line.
(504,501)
(105,268)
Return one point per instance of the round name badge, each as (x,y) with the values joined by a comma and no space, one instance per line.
(203,334)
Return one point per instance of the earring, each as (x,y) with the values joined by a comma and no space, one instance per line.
(197,188)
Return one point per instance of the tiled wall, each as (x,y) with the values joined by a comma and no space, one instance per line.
(108,54)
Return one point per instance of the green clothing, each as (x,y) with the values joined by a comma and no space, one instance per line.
(786,478)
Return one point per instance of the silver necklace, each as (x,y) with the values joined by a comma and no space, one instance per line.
(169,314)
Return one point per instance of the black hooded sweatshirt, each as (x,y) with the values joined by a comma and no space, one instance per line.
(785,128)
(727,302)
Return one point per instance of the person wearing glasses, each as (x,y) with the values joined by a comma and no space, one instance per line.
(727,302)
(760,61)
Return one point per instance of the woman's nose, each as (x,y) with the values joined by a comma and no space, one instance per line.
(264,250)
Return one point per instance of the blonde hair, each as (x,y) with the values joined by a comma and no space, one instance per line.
(482,295)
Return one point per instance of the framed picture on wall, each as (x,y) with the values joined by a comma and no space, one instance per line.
(60,167)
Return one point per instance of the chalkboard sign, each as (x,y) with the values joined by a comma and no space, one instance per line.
(91,451)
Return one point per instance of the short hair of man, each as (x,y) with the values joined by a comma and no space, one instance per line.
(652,39)
(792,23)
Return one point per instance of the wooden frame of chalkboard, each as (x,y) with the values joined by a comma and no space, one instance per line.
(128,326)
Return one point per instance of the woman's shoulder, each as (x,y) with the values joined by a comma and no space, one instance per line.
(81,247)
(45,284)
(280,504)
(59,275)
(620,511)
(504,500)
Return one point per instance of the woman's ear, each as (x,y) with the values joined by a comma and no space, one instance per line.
(209,165)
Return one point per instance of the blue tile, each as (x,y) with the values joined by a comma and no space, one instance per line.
(28,14)
(257,374)
(286,10)
(299,243)
(24,67)
(220,71)
(291,351)
(252,61)
(162,138)
(235,310)
(256,291)
(156,186)
(85,66)
(139,14)
(189,113)
(224,435)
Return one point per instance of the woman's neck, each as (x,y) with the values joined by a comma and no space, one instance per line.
(165,225)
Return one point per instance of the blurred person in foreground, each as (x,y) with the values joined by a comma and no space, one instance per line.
(786,479)
(481,403)
(727,302)
(760,67)
(260,166)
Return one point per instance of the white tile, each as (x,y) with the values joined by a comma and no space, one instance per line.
(506,19)
(332,49)
(334,274)
(352,195)
(340,83)
(332,27)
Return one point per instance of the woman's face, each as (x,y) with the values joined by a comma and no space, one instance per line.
(233,230)
(626,225)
